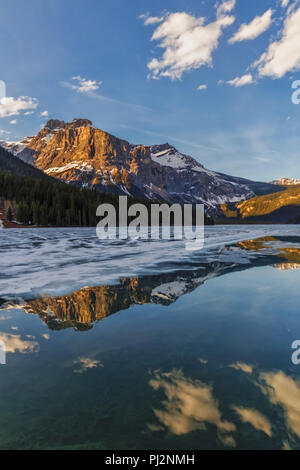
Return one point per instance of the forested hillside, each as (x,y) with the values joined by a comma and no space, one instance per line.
(46,202)
(33,201)
(281,207)
(8,162)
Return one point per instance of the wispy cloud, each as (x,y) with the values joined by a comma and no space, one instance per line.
(241,81)
(202,87)
(170,138)
(44,114)
(13,121)
(253,29)
(108,99)
(84,85)
(4,133)
(151,19)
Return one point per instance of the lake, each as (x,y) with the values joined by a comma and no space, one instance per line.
(145,345)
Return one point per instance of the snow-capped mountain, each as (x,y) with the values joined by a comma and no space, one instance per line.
(81,154)
(286,182)
(19,149)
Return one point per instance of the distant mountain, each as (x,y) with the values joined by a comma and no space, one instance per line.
(83,155)
(286,182)
(280,207)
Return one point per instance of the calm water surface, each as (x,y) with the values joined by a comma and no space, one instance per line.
(147,346)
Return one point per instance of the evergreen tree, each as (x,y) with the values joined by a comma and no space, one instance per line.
(9,214)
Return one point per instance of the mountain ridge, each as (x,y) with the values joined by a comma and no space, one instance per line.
(79,153)
(280,207)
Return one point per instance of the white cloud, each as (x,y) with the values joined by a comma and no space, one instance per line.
(151,19)
(10,106)
(284,3)
(13,121)
(44,114)
(28,113)
(188,42)
(84,85)
(202,87)
(241,81)
(253,29)
(225,7)
(282,56)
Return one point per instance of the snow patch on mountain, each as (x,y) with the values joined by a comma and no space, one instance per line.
(166,155)
(286,182)
(81,166)
(15,147)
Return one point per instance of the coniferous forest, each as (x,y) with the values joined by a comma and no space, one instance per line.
(49,202)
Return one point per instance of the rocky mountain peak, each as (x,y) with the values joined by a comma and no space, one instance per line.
(55,124)
(80,123)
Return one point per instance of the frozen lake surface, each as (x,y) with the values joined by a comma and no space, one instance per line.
(136,345)
(59,261)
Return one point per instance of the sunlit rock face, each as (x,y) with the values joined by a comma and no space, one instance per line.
(79,153)
(84,307)
(289,255)
(287,266)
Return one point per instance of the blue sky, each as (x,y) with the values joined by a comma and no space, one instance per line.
(139,65)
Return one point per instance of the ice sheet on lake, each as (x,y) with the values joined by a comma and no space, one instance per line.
(59,261)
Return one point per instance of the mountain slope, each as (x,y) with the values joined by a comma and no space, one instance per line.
(281,207)
(9,162)
(81,154)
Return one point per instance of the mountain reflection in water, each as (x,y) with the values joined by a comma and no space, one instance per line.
(86,306)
